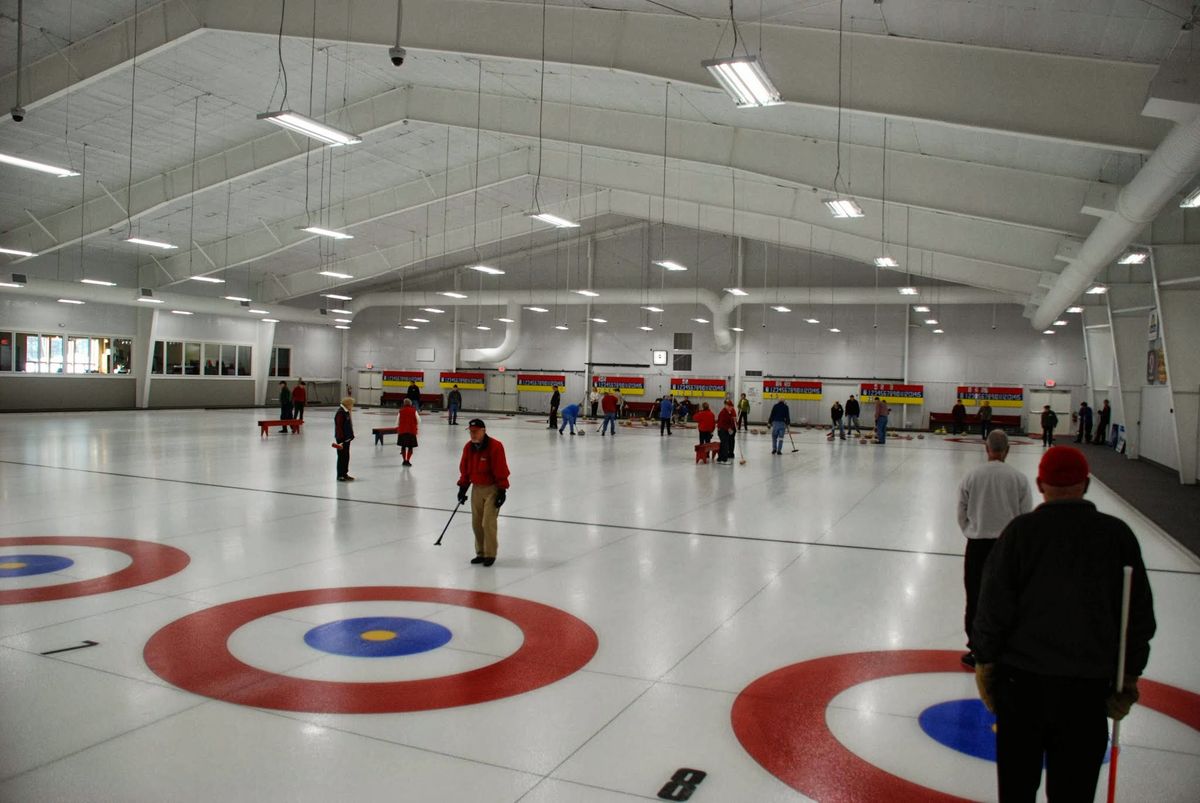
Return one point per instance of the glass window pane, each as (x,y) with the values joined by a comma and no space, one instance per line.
(243,364)
(174,357)
(212,359)
(158,365)
(228,360)
(82,355)
(122,355)
(6,351)
(271,368)
(57,349)
(284,361)
(191,359)
(27,351)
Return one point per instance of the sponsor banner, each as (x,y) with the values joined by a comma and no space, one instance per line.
(791,389)
(971,395)
(688,386)
(466,380)
(541,383)
(892,394)
(402,379)
(627,385)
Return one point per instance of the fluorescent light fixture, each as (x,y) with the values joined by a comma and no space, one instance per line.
(11,284)
(646,328)
(488,269)
(343,326)
(736,291)
(1097,290)
(921,308)
(537,309)
(28,164)
(700,320)
(1060,323)
(745,80)
(344,320)
(1133,258)
(669,264)
(323,232)
(410,326)
(483,328)
(562,327)
(781,308)
(1048,332)
(931,321)
(69,301)
(336,297)
(209,279)
(335,275)
(736,329)
(434,310)
(599,320)
(1191,200)
(181,312)
(506,320)
(310,127)
(939,331)
(452,294)
(588,293)
(151,243)
(811,320)
(834,329)
(17,252)
(270,320)
(98,282)
(148,300)
(908,291)
(843,207)
(237,298)
(414,320)
(886,262)
(259,312)
(653,308)
(555,220)
(1075,310)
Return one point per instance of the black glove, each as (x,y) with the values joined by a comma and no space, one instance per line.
(462,494)
(985,681)
(501,495)
(1119,702)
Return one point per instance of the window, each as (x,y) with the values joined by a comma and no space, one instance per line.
(683,341)
(191,359)
(65,354)
(121,356)
(212,359)
(6,351)
(281,361)
(244,362)
(174,357)
(180,358)
(156,366)
(228,360)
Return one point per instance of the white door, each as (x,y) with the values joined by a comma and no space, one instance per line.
(1156,427)
(502,392)
(1060,403)
(753,388)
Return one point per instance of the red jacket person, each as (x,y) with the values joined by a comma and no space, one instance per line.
(484,470)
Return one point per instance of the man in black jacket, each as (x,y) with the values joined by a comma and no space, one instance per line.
(343,433)
(852,413)
(555,399)
(1046,635)
(453,405)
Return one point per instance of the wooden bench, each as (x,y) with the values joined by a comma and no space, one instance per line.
(704,450)
(1008,423)
(264,426)
(379,432)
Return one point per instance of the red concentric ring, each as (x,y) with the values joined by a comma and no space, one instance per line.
(151,562)
(193,654)
(780,721)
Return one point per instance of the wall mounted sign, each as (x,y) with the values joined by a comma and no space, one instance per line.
(791,389)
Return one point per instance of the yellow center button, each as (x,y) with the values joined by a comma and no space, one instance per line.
(14,564)
(378,635)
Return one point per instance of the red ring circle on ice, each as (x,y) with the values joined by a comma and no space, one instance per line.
(780,721)
(151,562)
(193,654)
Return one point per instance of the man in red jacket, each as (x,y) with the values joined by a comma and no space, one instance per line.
(726,431)
(299,399)
(484,467)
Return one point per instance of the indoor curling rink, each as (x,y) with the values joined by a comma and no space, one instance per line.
(191,612)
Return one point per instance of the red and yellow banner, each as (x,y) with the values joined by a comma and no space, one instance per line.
(688,386)
(541,383)
(892,394)
(791,389)
(466,380)
(971,395)
(402,379)
(627,385)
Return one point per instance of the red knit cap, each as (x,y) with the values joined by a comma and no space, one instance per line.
(1062,466)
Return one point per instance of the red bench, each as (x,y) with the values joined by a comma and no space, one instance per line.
(1008,423)
(264,426)
(704,450)
(379,432)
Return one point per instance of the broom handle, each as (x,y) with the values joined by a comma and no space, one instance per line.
(1126,588)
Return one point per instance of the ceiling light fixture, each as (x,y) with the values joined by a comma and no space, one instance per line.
(151,243)
(1060,323)
(931,321)
(669,264)
(745,80)
(700,320)
(341,311)
(419,320)
(811,320)
(98,282)
(907,291)
(736,329)
(410,326)
(1191,200)
(781,308)
(588,293)
(181,312)
(148,300)
(11,284)
(646,328)
(653,308)
(599,320)
(488,269)
(506,320)
(335,275)
(834,329)
(17,252)
(939,331)
(1075,310)
(1048,332)
(343,326)
(259,312)
(736,291)
(270,320)
(1134,258)
(208,279)
(69,301)
(323,232)
(483,327)
(1097,290)
(17,161)
(452,294)
(554,220)
(309,127)
(537,309)
(844,208)
(921,308)
(336,297)
(434,310)
(237,298)
(343,320)
(886,262)
(562,327)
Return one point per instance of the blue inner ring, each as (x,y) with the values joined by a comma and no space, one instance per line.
(34,564)
(345,636)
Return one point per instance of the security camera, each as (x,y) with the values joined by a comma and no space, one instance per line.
(18,114)
(396,54)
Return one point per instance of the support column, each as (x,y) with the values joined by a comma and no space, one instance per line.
(264,342)
(1177,291)
(587,329)
(907,329)
(737,340)
(143,354)
(1129,347)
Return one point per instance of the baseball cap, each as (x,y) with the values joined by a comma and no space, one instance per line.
(1062,466)
(476,423)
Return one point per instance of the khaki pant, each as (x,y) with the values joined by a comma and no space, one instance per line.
(484,521)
